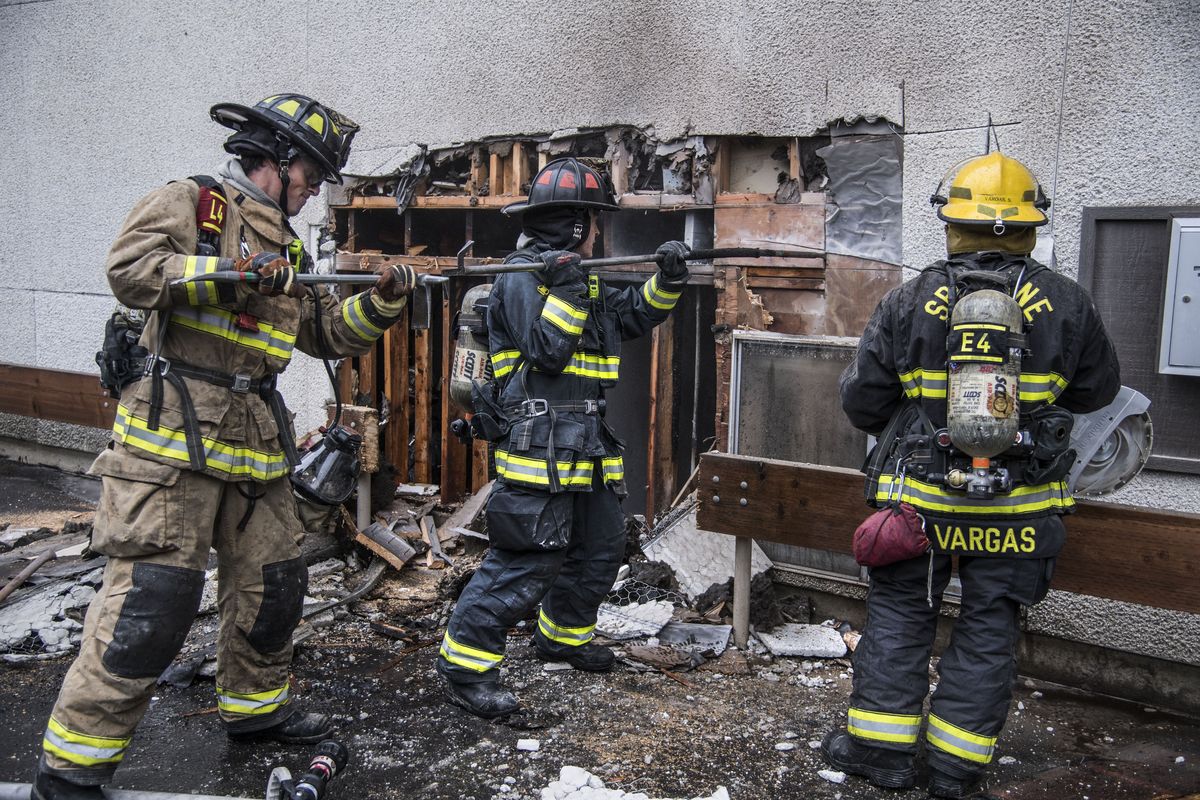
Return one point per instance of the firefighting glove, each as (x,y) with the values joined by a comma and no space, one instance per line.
(672,263)
(563,272)
(396,282)
(276,275)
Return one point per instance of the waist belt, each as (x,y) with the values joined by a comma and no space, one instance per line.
(160,369)
(539,408)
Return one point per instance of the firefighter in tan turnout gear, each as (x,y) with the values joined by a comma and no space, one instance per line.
(973,415)
(203,445)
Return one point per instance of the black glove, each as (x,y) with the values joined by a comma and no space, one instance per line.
(561,269)
(276,275)
(395,282)
(671,260)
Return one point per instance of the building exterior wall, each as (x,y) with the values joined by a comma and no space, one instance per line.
(106,100)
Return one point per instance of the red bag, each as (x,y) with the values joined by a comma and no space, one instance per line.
(889,535)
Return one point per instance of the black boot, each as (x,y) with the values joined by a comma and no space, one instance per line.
(890,769)
(300,728)
(949,780)
(483,699)
(590,657)
(50,787)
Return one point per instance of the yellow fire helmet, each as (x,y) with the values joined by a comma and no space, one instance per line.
(992,190)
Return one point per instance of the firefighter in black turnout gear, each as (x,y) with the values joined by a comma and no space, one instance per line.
(1006,537)
(556,530)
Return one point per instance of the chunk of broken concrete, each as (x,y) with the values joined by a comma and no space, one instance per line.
(818,641)
(633,620)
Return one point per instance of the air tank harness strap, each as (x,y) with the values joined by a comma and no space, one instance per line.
(174,372)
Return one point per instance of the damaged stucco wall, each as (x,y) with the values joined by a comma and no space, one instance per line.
(108,100)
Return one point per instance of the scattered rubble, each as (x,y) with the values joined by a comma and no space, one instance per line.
(575,783)
(699,558)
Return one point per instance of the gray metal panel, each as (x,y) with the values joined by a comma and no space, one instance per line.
(1179,351)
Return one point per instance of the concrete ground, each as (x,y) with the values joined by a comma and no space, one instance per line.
(745,723)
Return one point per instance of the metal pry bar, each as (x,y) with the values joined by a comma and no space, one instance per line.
(233,276)
(649,258)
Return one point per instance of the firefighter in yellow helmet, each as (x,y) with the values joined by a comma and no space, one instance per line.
(202,446)
(1004,523)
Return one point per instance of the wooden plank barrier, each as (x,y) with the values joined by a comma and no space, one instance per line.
(55,394)
(1135,555)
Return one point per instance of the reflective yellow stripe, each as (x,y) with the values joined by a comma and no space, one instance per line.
(659,298)
(519,469)
(135,432)
(200,293)
(589,365)
(920,383)
(1021,500)
(504,362)
(356,318)
(564,635)
(252,704)
(470,657)
(959,742)
(81,749)
(219,322)
(1045,386)
(877,725)
(563,315)
(614,468)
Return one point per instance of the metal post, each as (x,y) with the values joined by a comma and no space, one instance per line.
(363,517)
(741,590)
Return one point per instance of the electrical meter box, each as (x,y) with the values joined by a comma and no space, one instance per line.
(1179,345)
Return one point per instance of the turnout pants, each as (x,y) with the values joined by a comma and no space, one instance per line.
(157,524)
(976,671)
(562,550)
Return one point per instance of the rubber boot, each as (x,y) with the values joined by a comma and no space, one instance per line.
(589,657)
(483,699)
(950,780)
(889,769)
(301,727)
(51,787)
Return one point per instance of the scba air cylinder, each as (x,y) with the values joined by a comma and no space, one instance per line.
(982,408)
(471,362)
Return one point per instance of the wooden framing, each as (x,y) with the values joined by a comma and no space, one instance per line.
(1135,555)
(423,416)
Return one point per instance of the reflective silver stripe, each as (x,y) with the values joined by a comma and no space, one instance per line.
(200,293)
(589,365)
(959,742)
(563,315)
(1023,499)
(564,635)
(172,443)
(661,299)
(614,468)
(504,361)
(87,751)
(533,471)
(470,657)
(1041,386)
(219,322)
(919,383)
(356,318)
(900,728)
(255,703)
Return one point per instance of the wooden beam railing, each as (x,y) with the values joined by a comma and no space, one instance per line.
(1135,555)
(55,394)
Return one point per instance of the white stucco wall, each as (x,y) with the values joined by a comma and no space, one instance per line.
(106,100)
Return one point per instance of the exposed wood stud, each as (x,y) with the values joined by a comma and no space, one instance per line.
(423,419)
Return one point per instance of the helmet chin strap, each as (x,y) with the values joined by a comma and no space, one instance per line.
(282,149)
